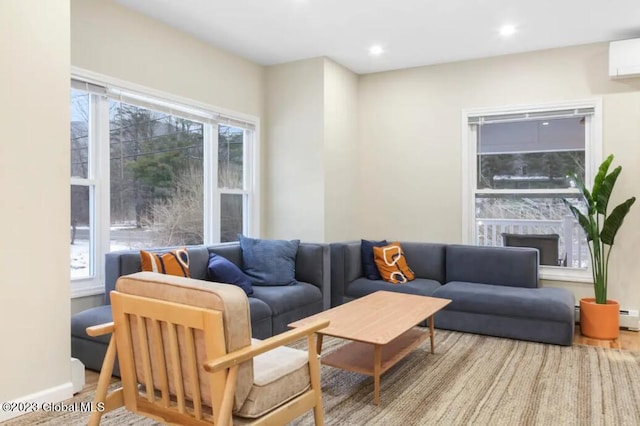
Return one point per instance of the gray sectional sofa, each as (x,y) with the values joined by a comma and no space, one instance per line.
(494,290)
(271,307)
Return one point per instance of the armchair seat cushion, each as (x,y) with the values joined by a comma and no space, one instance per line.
(278,375)
(363,286)
(554,304)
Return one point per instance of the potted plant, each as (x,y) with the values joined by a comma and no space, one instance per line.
(599,316)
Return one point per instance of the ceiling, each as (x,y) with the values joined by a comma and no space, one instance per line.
(411,32)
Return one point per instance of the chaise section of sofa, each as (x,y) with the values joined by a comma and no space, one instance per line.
(494,290)
(271,308)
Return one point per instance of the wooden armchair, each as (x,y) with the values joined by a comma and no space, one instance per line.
(186,357)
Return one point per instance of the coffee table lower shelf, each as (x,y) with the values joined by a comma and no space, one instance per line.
(361,357)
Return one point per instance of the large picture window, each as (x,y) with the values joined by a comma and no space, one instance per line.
(146,172)
(518,168)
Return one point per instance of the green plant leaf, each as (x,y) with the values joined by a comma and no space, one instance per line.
(600,233)
(602,173)
(614,221)
(583,220)
(586,195)
(604,192)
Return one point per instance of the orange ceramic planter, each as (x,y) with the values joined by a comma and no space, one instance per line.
(599,321)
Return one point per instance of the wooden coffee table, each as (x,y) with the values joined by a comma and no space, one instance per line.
(381,329)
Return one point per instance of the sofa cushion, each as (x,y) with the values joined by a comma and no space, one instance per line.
(534,329)
(427,260)
(258,309)
(369,266)
(286,298)
(223,270)
(125,262)
(505,266)
(362,287)
(174,262)
(269,262)
(392,264)
(551,304)
(231,251)
(90,317)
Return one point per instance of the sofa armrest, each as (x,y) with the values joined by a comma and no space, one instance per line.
(112,271)
(337,273)
(346,266)
(313,266)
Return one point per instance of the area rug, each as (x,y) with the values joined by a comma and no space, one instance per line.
(470,380)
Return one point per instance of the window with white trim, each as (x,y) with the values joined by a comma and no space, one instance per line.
(518,164)
(150,172)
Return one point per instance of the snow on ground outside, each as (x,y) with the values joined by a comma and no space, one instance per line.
(126,237)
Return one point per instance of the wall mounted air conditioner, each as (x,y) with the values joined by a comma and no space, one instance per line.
(624,58)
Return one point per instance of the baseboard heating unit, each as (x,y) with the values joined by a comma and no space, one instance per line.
(629,319)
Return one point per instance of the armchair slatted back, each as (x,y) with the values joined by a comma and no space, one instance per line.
(157,350)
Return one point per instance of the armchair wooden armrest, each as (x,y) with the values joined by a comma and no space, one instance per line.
(244,354)
(100,329)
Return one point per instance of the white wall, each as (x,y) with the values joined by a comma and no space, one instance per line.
(410,136)
(295,178)
(34,218)
(110,39)
(312,154)
(341,153)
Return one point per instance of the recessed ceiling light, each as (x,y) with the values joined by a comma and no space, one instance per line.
(507,30)
(376,50)
(545,123)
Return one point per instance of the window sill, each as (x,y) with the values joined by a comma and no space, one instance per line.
(552,273)
(84,288)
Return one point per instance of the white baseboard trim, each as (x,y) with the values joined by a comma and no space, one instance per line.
(35,400)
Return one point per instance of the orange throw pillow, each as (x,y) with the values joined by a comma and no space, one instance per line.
(392,264)
(174,262)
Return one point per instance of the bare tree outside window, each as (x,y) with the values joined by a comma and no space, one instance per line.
(156,178)
(231,177)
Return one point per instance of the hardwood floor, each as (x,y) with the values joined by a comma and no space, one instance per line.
(91,380)
(628,340)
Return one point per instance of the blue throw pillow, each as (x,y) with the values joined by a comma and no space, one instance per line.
(222,270)
(368,263)
(269,262)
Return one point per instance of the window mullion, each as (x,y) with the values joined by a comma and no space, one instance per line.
(211,191)
(101,160)
(252,219)
(469,167)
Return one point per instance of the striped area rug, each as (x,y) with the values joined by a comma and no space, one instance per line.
(470,380)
